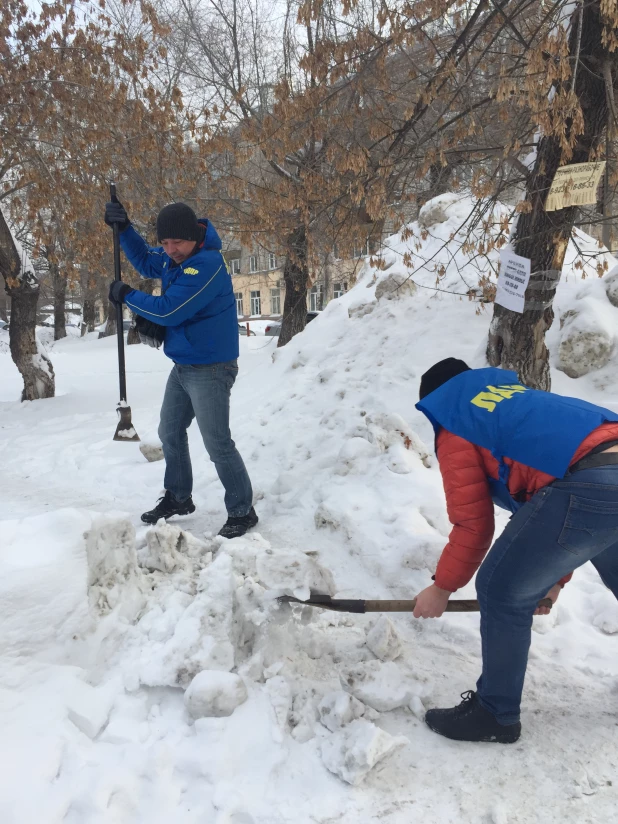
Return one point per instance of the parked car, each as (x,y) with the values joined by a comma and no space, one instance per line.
(274,327)
(126,325)
(4,325)
(242,330)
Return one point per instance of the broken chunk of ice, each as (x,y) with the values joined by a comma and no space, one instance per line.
(383,640)
(215,694)
(355,750)
(339,708)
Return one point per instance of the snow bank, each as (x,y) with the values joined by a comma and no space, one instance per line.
(588,324)
(43,594)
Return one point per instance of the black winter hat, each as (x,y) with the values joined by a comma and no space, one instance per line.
(177,222)
(440,373)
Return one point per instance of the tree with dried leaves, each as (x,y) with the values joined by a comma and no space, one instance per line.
(584,67)
(472,91)
(285,150)
(78,105)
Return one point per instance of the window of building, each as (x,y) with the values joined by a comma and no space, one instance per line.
(275,301)
(235,266)
(256,303)
(315,298)
(253,266)
(238,296)
(272,260)
(361,250)
(340,289)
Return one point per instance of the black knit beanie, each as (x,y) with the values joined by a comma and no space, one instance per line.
(440,373)
(178,222)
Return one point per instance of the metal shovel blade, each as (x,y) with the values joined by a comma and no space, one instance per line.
(318,599)
(124,430)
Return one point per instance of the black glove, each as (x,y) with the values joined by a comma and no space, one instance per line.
(152,334)
(116,213)
(118,291)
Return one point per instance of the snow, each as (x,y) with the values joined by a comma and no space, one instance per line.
(126,433)
(383,639)
(338,709)
(151,451)
(105,624)
(215,694)
(351,753)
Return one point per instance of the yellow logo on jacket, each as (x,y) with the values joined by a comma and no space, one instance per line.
(190,271)
(496,394)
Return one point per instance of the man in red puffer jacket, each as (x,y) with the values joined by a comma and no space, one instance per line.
(553,462)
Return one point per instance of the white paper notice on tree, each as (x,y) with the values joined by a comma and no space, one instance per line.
(512,281)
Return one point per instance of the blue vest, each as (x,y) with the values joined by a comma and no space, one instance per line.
(490,408)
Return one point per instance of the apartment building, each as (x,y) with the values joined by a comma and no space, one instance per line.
(257,275)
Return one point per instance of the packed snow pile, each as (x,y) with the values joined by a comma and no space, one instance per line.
(440,249)
(169,610)
(151,674)
(455,245)
(588,326)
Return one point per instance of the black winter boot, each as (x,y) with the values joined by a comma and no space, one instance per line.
(235,527)
(469,721)
(168,506)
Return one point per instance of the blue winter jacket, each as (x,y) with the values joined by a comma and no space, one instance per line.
(197,306)
(492,409)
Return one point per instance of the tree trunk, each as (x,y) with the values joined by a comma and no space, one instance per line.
(89,296)
(132,334)
(110,323)
(517,341)
(147,285)
(439,179)
(296,278)
(88,316)
(35,367)
(23,288)
(4,305)
(60,293)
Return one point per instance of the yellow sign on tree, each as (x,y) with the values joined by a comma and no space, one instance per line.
(574,185)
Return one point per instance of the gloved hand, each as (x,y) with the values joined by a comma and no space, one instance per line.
(116,213)
(118,291)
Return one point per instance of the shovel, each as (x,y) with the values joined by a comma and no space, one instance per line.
(124,430)
(317,599)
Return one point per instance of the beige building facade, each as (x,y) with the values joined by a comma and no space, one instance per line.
(259,288)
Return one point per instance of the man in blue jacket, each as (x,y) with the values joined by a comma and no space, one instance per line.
(195,316)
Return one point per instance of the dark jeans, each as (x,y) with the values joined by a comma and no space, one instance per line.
(203,392)
(572,521)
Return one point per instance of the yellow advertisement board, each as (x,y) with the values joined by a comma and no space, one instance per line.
(574,185)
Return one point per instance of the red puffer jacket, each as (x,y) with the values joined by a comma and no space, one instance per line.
(465,468)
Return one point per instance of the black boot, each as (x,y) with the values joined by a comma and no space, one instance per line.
(469,721)
(235,527)
(168,506)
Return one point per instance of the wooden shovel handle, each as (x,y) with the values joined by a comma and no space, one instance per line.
(471,605)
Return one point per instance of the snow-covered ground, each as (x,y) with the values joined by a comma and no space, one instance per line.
(104,624)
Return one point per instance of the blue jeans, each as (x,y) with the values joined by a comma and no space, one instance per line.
(203,392)
(572,521)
